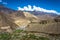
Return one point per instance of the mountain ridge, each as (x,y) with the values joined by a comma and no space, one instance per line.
(13,18)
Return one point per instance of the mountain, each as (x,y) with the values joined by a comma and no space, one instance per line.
(6,23)
(57,19)
(39,14)
(13,19)
(43,15)
(31,17)
(5,9)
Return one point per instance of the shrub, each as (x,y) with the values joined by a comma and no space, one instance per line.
(17,36)
(5,36)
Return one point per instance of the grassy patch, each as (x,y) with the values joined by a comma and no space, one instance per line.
(17,36)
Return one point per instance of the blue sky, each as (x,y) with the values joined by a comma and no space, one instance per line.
(46,4)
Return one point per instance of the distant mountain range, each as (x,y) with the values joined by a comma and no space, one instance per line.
(43,15)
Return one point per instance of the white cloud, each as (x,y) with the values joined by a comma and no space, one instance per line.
(0,0)
(29,8)
(26,8)
(19,8)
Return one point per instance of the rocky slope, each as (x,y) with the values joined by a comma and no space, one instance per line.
(11,19)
